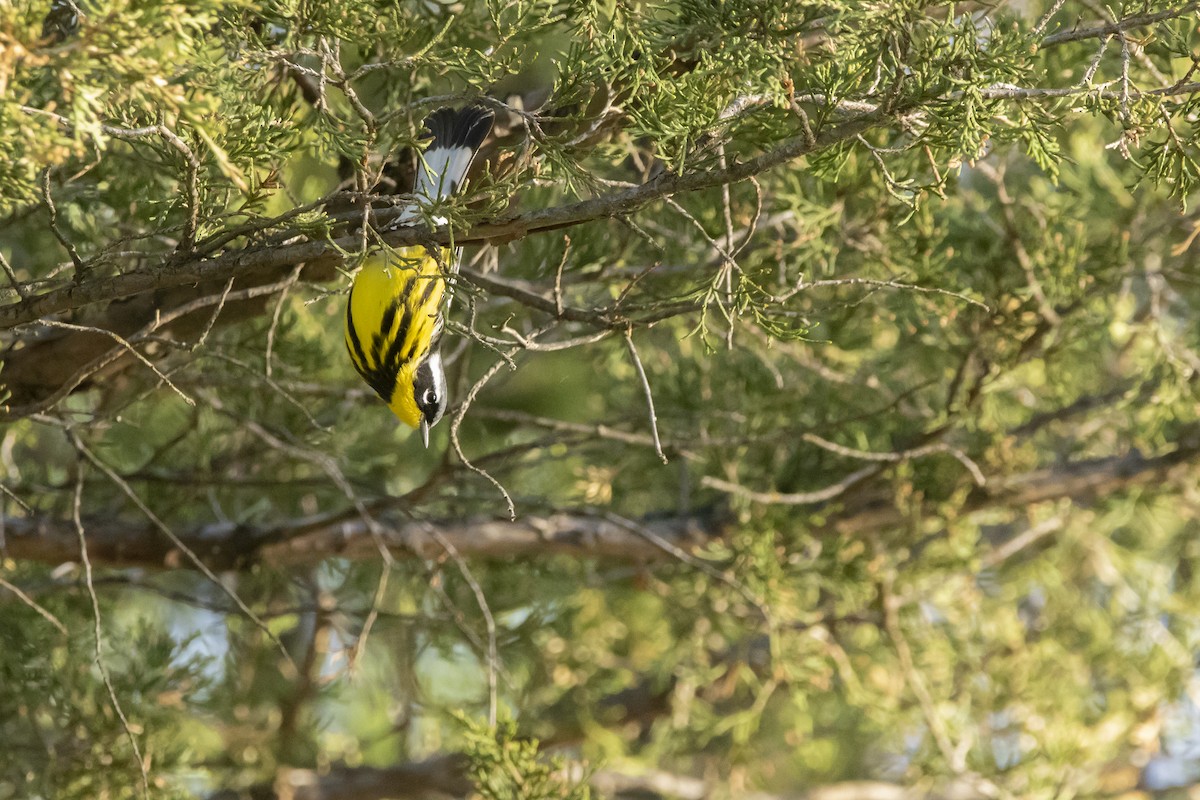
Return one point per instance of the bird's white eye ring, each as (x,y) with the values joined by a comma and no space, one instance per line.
(430,397)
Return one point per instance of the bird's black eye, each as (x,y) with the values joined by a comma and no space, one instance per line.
(430,397)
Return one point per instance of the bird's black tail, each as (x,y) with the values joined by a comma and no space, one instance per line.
(457,135)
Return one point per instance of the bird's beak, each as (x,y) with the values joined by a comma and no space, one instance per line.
(425,432)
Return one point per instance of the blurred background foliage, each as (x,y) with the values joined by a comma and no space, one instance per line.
(923,382)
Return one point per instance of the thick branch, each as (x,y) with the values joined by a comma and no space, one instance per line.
(180,270)
(230,546)
(446,776)
(49,362)
(1098,477)
(442,776)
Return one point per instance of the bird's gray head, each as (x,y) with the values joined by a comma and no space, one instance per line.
(429,391)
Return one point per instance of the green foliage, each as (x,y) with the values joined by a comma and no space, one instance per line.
(64,736)
(506,766)
(910,381)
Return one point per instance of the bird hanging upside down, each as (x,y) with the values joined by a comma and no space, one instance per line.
(394,318)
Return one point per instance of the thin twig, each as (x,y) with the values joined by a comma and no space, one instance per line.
(456,423)
(970,465)
(177,542)
(1021,541)
(29,601)
(98,651)
(1049,15)
(682,555)
(53,323)
(910,287)
(805,123)
(558,273)
(17,286)
(730,265)
(752,228)
(11,495)
(1090,72)
(364,636)
(955,760)
(212,320)
(276,315)
(641,371)
(493,657)
(871,455)
(792,498)
(1013,232)
(80,267)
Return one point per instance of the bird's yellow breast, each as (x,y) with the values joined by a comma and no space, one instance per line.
(391,319)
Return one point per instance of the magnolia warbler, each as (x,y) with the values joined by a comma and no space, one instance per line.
(394,315)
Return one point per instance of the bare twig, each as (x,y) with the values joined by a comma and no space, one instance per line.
(456,423)
(641,372)
(98,643)
(493,656)
(792,498)
(212,321)
(52,323)
(730,265)
(869,455)
(803,285)
(364,636)
(1013,232)
(1049,15)
(682,555)
(17,286)
(558,273)
(464,406)
(80,268)
(1090,72)
(1022,541)
(283,293)
(179,544)
(955,759)
(29,601)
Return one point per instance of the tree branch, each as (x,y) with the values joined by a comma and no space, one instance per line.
(223,546)
(1120,26)
(179,270)
(440,776)
(1097,477)
(445,776)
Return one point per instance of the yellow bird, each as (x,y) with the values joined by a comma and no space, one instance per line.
(394,315)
